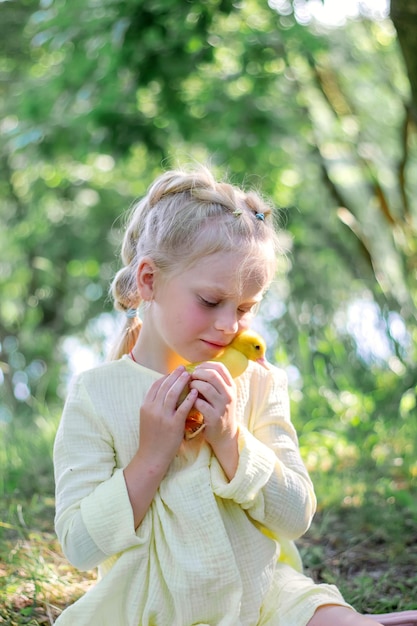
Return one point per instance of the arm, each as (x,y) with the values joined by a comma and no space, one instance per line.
(161,434)
(271,482)
(98,504)
(93,512)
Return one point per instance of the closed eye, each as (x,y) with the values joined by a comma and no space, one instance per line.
(250,309)
(208,303)
(244,310)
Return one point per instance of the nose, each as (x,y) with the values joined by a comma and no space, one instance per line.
(227,322)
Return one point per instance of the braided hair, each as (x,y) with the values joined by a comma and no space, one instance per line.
(187,215)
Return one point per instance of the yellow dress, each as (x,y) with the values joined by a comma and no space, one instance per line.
(208,551)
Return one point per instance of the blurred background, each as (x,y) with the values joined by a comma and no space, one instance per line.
(312,102)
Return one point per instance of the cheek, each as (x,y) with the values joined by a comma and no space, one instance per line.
(244,324)
(195,317)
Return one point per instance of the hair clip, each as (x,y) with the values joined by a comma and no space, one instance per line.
(260,216)
(237,212)
(130,313)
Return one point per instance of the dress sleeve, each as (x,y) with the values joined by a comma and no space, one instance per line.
(271,482)
(94,519)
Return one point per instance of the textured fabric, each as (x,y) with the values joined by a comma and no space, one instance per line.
(207,550)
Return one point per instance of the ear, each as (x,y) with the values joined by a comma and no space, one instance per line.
(145,278)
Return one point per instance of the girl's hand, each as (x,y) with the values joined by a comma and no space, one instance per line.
(161,422)
(161,434)
(217,402)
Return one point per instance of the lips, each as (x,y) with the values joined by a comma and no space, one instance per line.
(215,345)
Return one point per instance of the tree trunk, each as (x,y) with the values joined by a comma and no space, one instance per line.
(404,17)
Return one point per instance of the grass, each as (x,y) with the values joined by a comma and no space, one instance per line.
(369,552)
(37,581)
(363,538)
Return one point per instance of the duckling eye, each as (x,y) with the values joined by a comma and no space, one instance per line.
(257,347)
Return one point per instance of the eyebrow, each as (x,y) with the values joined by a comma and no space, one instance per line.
(218,294)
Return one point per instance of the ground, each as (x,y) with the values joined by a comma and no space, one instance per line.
(369,552)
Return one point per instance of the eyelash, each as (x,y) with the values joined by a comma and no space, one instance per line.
(208,304)
(211,305)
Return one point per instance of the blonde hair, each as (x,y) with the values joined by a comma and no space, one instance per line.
(184,217)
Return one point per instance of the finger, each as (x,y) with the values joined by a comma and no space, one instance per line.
(211,386)
(164,391)
(213,399)
(155,387)
(207,390)
(175,388)
(187,404)
(165,383)
(210,368)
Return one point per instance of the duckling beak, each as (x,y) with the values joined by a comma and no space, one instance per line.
(262,361)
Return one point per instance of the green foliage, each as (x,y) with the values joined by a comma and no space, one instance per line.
(97,97)
(100,93)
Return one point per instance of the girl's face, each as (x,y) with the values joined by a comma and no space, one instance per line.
(197,312)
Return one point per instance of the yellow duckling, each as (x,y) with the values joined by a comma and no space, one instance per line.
(245,347)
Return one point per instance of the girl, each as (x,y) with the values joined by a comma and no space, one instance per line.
(188,532)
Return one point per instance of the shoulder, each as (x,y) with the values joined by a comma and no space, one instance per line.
(101,372)
(258,383)
(262,394)
(270,376)
(109,394)
(113,375)
(122,367)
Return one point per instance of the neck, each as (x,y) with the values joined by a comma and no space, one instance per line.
(145,354)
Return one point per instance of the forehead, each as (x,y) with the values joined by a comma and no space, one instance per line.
(228,274)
